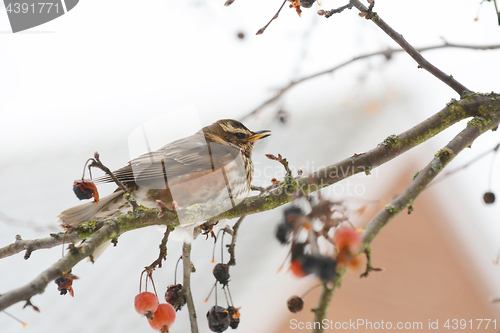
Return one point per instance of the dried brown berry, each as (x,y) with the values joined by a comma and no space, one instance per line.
(85,189)
(221,273)
(306,3)
(295,304)
(65,282)
(218,319)
(489,197)
(321,12)
(283,232)
(292,214)
(172,295)
(234,316)
(322,267)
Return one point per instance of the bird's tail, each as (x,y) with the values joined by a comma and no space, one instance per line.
(88,211)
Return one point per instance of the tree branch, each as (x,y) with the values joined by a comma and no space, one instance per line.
(479,125)
(464,139)
(186,286)
(163,252)
(230,247)
(484,107)
(38,285)
(422,62)
(329,288)
(36,244)
(96,162)
(386,53)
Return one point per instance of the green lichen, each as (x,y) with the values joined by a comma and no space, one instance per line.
(478,122)
(375,16)
(390,141)
(415,175)
(142,208)
(86,229)
(456,108)
(468,97)
(290,183)
(436,164)
(445,153)
(451,102)
(391,209)
(442,157)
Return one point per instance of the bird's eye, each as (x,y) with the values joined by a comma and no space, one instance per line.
(240,135)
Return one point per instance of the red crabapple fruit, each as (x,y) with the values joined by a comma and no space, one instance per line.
(163,318)
(145,303)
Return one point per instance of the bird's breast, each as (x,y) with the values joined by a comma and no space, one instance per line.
(230,182)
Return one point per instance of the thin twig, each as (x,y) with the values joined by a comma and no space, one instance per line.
(460,89)
(96,162)
(38,285)
(386,53)
(186,286)
(331,12)
(474,160)
(261,30)
(36,244)
(230,247)
(323,304)
(257,188)
(163,252)
(484,107)
(496,10)
(463,140)
(369,267)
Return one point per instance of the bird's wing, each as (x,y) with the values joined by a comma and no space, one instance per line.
(188,155)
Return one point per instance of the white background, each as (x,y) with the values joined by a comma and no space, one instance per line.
(84,81)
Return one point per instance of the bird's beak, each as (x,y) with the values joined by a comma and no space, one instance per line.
(259,135)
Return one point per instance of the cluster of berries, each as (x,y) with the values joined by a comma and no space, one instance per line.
(160,316)
(346,240)
(219,318)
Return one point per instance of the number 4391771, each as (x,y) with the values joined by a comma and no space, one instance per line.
(472,324)
(35,8)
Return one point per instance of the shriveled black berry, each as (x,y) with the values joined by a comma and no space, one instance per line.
(297,251)
(283,232)
(323,267)
(82,190)
(306,3)
(234,317)
(172,295)
(291,214)
(218,319)
(489,197)
(221,273)
(61,281)
(295,304)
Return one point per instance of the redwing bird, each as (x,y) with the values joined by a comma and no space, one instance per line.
(211,165)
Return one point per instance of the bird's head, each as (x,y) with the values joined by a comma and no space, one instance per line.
(229,131)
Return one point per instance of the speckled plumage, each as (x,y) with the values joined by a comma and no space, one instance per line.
(211,165)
